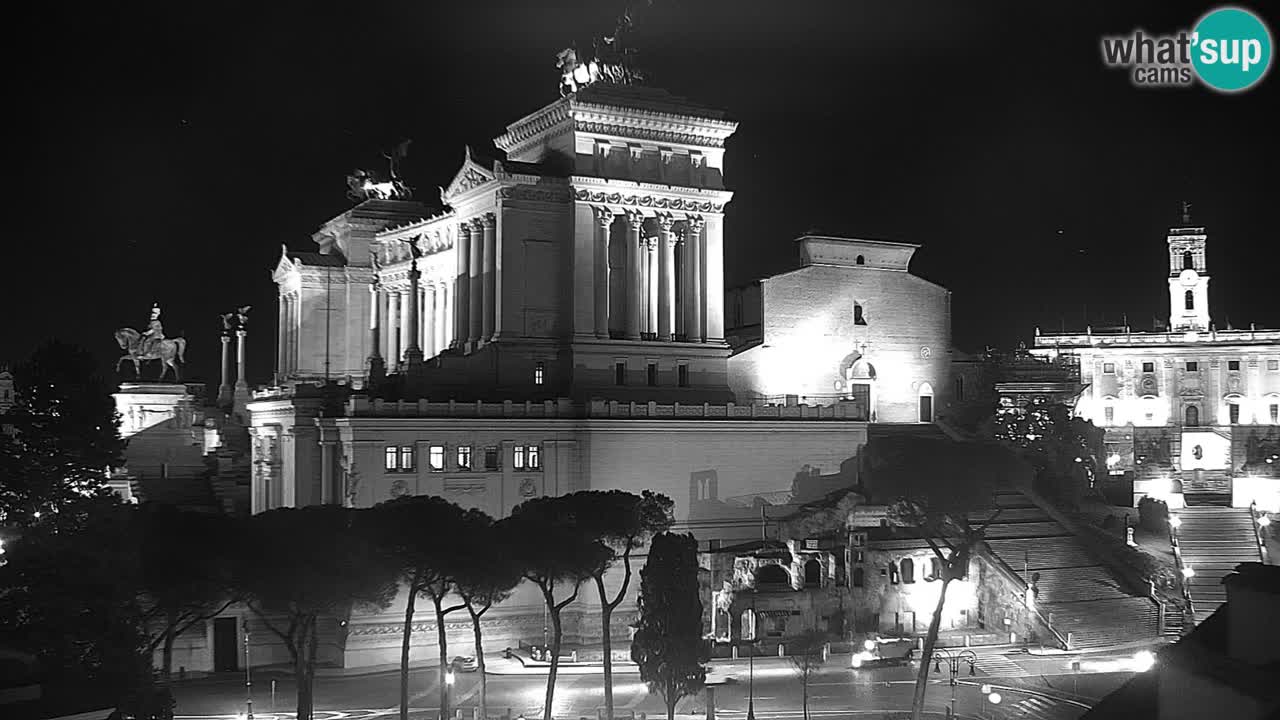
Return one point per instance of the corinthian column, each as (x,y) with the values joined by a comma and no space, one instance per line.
(224,389)
(282,340)
(462,286)
(697,284)
(634,222)
(475,327)
(406,328)
(651,279)
(490,299)
(376,368)
(413,322)
(393,317)
(429,321)
(604,220)
(666,278)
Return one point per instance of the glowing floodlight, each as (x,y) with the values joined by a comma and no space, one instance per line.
(1144,660)
(448,678)
(1263,521)
(1188,572)
(1113,459)
(994,698)
(1175,522)
(869,645)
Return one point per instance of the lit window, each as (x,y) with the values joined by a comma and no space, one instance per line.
(1193,366)
(437,457)
(407,458)
(1233,411)
(1190,300)
(1233,364)
(1148,367)
(1275,413)
(1188,261)
(539,370)
(1109,368)
(682,376)
(1110,414)
(620,373)
(491,458)
(651,374)
(392,458)
(464,457)
(518,460)
(534,457)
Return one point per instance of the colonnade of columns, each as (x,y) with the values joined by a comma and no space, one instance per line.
(665,278)
(410,317)
(287,339)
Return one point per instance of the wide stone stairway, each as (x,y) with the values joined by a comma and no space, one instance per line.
(1212,542)
(1080,597)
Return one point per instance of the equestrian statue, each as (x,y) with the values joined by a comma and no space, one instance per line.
(151,345)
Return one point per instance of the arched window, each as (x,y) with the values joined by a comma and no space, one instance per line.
(859,577)
(858,317)
(908,570)
(1188,261)
(1190,300)
(860,261)
(1192,416)
(772,575)
(813,573)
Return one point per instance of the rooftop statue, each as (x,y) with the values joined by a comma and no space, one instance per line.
(612,60)
(363,185)
(151,345)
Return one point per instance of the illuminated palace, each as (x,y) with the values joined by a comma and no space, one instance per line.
(559,325)
(1191,412)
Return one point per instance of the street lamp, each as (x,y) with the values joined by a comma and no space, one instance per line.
(248,678)
(751,672)
(953,661)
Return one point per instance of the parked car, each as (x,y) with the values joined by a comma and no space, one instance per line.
(464,663)
(884,653)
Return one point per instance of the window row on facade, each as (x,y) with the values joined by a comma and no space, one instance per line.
(1109,368)
(651,376)
(404,458)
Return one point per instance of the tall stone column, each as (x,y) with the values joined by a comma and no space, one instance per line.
(475,326)
(406,326)
(224,389)
(429,320)
(651,278)
(488,225)
(293,333)
(375,369)
(713,278)
(442,317)
(240,403)
(393,335)
(448,316)
(462,288)
(282,339)
(679,328)
(604,221)
(327,494)
(413,321)
(697,287)
(666,278)
(634,222)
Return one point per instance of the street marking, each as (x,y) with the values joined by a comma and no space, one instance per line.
(999,666)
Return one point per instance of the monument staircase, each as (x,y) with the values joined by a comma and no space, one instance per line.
(1206,487)
(1212,541)
(1076,593)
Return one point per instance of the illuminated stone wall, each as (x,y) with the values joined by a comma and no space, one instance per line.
(833,323)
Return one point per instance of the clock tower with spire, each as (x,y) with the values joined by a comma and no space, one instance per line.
(1188,276)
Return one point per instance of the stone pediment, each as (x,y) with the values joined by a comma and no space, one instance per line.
(284,267)
(471,175)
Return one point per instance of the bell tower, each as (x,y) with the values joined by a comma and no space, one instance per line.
(1188,276)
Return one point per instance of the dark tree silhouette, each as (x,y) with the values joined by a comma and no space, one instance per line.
(622,522)
(488,573)
(935,488)
(299,565)
(552,551)
(420,535)
(668,644)
(187,573)
(806,658)
(65,435)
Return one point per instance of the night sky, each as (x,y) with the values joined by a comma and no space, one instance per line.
(166,150)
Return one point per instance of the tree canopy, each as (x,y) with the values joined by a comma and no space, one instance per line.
(668,644)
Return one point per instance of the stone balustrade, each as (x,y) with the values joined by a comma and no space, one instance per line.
(563,408)
(1052,340)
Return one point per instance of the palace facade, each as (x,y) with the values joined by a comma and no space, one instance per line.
(1191,411)
(559,325)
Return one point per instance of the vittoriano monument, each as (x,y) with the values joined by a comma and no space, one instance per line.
(151,344)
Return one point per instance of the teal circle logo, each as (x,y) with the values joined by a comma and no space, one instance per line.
(1231,49)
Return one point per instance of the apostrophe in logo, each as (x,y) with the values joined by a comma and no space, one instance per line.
(1231,49)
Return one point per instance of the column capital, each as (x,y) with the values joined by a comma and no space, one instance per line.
(477,225)
(241,333)
(488,221)
(666,222)
(695,222)
(604,216)
(635,219)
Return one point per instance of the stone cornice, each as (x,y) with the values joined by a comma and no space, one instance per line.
(533,125)
(649,196)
